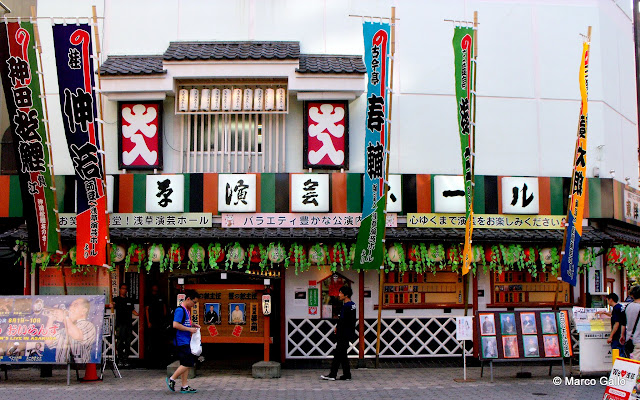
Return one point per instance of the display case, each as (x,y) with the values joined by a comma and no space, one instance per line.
(520,288)
(422,290)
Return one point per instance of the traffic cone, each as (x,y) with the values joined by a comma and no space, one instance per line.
(90,373)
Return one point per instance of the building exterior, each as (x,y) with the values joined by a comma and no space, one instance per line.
(243,123)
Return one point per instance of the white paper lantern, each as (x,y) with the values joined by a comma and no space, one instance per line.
(226,99)
(155,253)
(545,255)
(258,98)
(269,99)
(205,99)
(394,255)
(215,99)
(236,100)
(236,254)
(317,255)
(39,257)
(120,254)
(194,100)
(196,255)
(247,102)
(281,100)
(183,100)
(277,254)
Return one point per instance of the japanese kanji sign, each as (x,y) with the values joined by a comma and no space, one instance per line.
(486,221)
(448,194)
(520,195)
(310,192)
(21,82)
(369,248)
(465,71)
(237,192)
(147,220)
(76,84)
(298,220)
(575,210)
(326,141)
(631,206)
(165,193)
(394,194)
(140,135)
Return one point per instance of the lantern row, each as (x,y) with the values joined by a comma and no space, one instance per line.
(232,99)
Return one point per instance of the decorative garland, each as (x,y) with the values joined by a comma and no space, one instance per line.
(152,250)
(195,265)
(131,251)
(167,261)
(214,253)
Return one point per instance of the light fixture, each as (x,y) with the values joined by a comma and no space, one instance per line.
(248,100)
(226,99)
(628,180)
(223,275)
(215,99)
(612,172)
(193,100)
(269,98)
(205,99)
(258,97)
(183,100)
(280,99)
(236,100)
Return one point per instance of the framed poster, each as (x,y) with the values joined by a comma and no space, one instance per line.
(326,134)
(530,346)
(528,323)
(487,324)
(510,347)
(549,322)
(237,313)
(508,324)
(140,135)
(212,314)
(489,347)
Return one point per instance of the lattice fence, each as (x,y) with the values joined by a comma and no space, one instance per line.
(400,337)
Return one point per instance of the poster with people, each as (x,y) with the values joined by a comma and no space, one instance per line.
(51,329)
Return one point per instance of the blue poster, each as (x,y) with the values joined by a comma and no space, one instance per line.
(51,329)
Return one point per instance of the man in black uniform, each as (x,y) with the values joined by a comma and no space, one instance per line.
(123,306)
(156,313)
(345,333)
(211,316)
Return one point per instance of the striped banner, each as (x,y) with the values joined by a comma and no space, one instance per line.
(18,67)
(74,54)
(465,80)
(369,245)
(573,231)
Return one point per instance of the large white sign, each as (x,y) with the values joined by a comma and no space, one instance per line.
(310,192)
(237,192)
(520,195)
(394,195)
(631,206)
(448,194)
(165,193)
(622,380)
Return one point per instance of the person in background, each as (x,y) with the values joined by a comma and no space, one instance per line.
(345,333)
(182,324)
(632,311)
(618,321)
(124,309)
(156,313)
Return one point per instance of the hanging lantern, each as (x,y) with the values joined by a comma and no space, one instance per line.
(215,99)
(39,257)
(57,257)
(615,256)
(236,99)
(434,255)
(414,253)
(477,252)
(317,255)
(247,102)
(528,256)
(277,253)
(545,255)
(281,100)
(582,253)
(258,98)
(454,254)
(269,99)
(292,254)
(137,255)
(205,99)
(236,254)
(193,100)
(254,254)
(120,253)
(176,255)
(394,254)
(196,254)
(183,100)
(72,253)
(226,99)
(156,253)
(336,254)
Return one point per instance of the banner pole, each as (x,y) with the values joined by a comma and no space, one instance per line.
(101,126)
(386,178)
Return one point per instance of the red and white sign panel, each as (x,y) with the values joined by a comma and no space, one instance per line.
(140,135)
(326,141)
(623,380)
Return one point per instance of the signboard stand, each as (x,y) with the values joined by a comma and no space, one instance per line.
(464,332)
(108,348)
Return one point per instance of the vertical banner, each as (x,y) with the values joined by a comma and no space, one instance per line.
(465,77)
(18,67)
(369,246)
(74,54)
(575,210)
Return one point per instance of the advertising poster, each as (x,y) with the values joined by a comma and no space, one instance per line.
(51,329)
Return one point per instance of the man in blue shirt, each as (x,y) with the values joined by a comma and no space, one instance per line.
(618,320)
(182,324)
(345,333)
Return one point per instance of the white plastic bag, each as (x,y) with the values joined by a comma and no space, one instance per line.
(196,343)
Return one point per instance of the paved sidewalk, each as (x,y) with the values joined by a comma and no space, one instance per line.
(368,384)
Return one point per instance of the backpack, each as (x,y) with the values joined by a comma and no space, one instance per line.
(175,331)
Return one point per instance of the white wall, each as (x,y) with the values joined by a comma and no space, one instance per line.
(528,96)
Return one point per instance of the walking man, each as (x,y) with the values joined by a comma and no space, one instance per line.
(182,324)
(631,331)
(345,333)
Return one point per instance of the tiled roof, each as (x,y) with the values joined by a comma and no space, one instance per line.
(132,65)
(179,51)
(590,236)
(331,64)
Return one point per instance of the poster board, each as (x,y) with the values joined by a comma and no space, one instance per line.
(586,320)
(623,380)
(523,334)
(229,313)
(32,329)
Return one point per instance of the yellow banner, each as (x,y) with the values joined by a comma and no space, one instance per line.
(486,221)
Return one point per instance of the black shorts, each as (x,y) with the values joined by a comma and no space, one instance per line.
(184,355)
